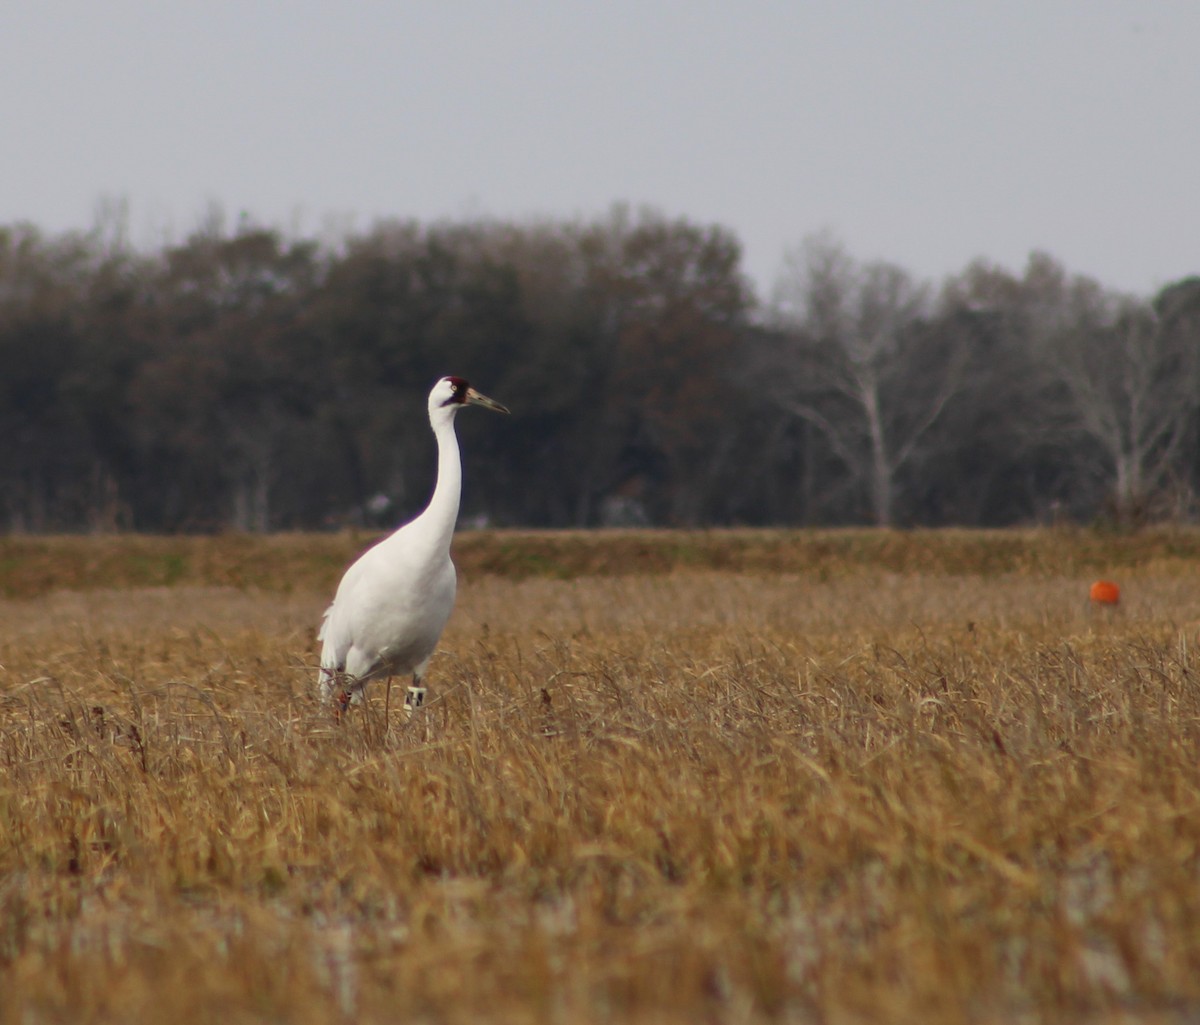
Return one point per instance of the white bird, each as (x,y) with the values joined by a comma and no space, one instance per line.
(394,601)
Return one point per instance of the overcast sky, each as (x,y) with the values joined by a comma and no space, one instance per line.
(926,133)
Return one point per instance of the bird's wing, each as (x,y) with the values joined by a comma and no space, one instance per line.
(337,627)
(333,646)
(324,622)
(333,631)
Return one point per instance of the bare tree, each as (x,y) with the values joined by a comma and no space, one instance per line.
(1019,449)
(1129,375)
(856,359)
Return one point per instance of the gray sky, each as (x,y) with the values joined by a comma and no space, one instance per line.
(926,133)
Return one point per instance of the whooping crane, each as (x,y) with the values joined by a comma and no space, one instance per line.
(393,602)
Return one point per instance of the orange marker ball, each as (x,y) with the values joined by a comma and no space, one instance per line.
(1105,592)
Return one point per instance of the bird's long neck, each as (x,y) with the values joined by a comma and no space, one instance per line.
(441,515)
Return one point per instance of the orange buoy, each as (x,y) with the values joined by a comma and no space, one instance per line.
(1105,592)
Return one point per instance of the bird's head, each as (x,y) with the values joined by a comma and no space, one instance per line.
(452,392)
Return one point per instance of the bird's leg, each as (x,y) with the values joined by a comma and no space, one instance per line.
(335,689)
(415,697)
(341,702)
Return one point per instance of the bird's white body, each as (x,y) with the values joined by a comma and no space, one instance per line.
(394,601)
(388,613)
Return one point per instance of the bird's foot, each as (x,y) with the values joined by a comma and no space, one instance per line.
(414,699)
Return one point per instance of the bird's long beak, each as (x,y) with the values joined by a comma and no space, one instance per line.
(476,399)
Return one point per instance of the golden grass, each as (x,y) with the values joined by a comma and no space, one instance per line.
(702,795)
(31,566)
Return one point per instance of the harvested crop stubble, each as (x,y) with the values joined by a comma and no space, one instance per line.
(695,795)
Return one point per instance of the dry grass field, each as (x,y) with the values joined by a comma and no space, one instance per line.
(723,778)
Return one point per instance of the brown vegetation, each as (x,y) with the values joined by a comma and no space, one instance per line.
(750,787)
(32,566)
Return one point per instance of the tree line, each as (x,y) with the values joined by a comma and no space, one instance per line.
(244,379)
